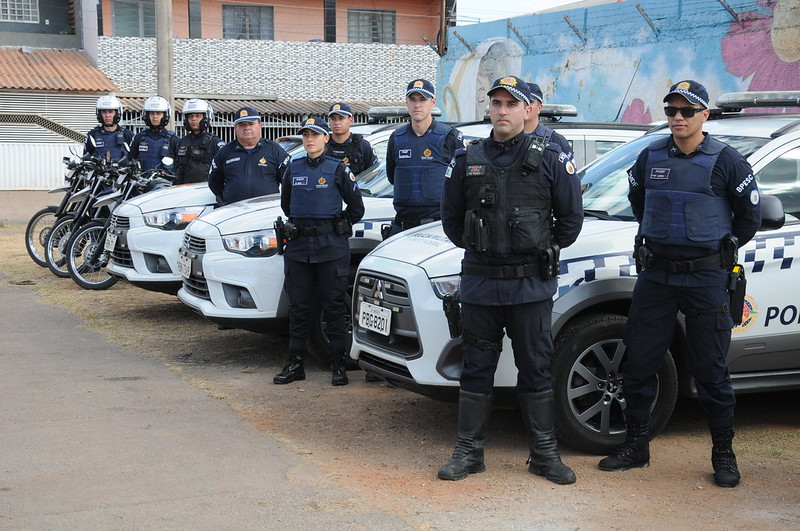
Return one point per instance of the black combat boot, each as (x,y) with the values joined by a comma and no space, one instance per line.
(634,452)
(339,376)
(726,473)
(544,460)
(473,415)
(293,370)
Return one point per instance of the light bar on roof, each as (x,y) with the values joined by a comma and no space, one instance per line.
(742,100)
(558,109)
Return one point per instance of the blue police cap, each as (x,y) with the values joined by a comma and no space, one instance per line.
(315,124)
(247,114)
(340,108)
(422,86)
(693,91)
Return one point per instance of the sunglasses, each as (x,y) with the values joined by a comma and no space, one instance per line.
(686,112)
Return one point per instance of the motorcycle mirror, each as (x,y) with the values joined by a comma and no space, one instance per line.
(167,161)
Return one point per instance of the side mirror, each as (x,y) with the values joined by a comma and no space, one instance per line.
(167,161)
(772,215)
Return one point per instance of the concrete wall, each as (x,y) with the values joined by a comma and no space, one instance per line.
(290,70)
(617,63)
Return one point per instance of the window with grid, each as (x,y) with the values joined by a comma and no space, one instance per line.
(247,22)
(133,18)
(19,11)
(371,25)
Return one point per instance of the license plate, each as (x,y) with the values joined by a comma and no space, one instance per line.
(111,241)
(184,266)
(375,318)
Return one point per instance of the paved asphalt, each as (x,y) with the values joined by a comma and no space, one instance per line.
(94,436)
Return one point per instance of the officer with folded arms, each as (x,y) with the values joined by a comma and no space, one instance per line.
(418,157)
(316,258)
(198,147)
(511,203)
(249,166)
(696,202)
(351,148)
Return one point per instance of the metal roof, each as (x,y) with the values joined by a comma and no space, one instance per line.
(264,106)
(50,70)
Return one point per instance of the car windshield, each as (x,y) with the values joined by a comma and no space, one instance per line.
(605,181)
(373,181)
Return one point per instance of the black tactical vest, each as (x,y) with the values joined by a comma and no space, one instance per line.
(194,160)
(510,206)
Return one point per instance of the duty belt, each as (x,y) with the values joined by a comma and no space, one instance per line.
(687,266)
(316,230)
(410,223)
(499,271)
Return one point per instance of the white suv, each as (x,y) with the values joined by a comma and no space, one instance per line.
(401,332)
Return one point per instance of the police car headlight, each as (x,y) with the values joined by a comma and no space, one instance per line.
(444,286)
(173,218)
(259,244)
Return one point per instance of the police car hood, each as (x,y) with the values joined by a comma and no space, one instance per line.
(248,215)
(184,195)
(429,248)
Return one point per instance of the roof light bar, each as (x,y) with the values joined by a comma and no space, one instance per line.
(740,100)
(376,114)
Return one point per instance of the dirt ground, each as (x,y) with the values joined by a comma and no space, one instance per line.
(386,444)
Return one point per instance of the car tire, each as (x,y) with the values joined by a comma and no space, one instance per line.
(587,382)
(318,344)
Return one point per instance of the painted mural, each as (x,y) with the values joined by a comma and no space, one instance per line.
(615,62)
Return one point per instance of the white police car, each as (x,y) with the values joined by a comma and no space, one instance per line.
(401,332)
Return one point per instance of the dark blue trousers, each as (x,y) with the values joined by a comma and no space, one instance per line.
(528,327)
(648,334)
(323,282)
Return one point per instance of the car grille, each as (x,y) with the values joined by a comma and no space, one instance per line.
(391,293)
(120,222)
(196,287)
(121,258)
(193,244)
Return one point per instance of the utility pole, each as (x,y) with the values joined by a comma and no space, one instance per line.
(164,55)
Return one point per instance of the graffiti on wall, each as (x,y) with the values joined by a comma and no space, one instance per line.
(624,67)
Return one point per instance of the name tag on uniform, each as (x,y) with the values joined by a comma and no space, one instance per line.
(476,170)
(143,147)
(404,154)
(659,173)
(300,181)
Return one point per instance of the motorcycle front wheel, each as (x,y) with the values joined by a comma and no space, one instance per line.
(86,258)
(36,233)
(56,246)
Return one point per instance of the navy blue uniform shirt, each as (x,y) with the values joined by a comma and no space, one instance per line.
(565,191)
(238,173)
(153,159)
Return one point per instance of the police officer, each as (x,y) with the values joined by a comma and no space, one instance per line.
(198,147)
(249,166)
(109,139)
(418,157)
(317,256)
(511,203)
(351,148)
(533,126)
(155,142)
(696,200)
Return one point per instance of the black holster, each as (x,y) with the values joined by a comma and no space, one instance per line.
(280,234)
(452,310)
(342,225)
(642,254)
(476,233)
(549,262)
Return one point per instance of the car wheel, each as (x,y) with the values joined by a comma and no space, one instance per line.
(588,385)
(318,344)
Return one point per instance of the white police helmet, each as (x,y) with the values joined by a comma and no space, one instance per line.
(107,103)
(158,104)
(196,105)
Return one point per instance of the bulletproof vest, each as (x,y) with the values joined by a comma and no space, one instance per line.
(153,148)
(194,159)
(511,205)
(314,190)
(680,207)
(420,166)
(113,142)
(348,153)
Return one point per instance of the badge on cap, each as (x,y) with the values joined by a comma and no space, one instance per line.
(684,85)
(419,84)
(310,121)
(337,107)
(242,113)
(509,80)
